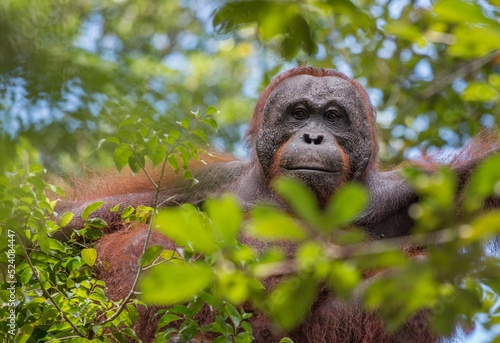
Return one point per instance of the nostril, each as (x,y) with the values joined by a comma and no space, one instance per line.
(318,140)
(307,138)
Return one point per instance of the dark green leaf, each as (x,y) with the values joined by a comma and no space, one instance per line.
(150,255)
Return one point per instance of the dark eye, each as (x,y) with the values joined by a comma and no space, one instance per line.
(332,115)
(300,113)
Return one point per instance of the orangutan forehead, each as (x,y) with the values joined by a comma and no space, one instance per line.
(317,89)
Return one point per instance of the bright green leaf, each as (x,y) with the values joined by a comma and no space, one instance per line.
(346,204)
(121,157)
(89,256)
(186,227)
(91,208)
(226,215)
(272,224)
(66,219)
(169,283)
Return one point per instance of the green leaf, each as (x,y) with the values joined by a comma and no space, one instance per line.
(226,215)
(89,256)
(55,245)
(91,208)
(150,255)
(173,162)
(185,123)
(159,155)
(134,165)
(188,175)
(185,155)
(233,286)
(109,139)
(186,227)
(344,277)
(37,182)
(201,134)
(175,134)
(181,309)
(475,41)
(210,110)
(129,332)
(483,228)
(480,92)
(24,333)
(346,204)
(233,314)
(271,224)
(36,168)
(119,337)
(211,122)
(66,219)
(243,337)
(485,182)
(97,222)
(127,211)
(171,283)
(121,156)
(458,11)
(151,143)
(167,319)
(43,240)
(291,301)
(300,198)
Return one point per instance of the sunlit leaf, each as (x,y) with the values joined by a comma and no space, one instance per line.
(300,198)
(65,219)
(226,216)
(270,223)
(91,208)
(480,92)
(462,12)
(346,204)
(186,228)
(211,122)
(168,284)
(89,256)
(291,301)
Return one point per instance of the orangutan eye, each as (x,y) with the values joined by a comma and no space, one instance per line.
(332,115)
(300,113)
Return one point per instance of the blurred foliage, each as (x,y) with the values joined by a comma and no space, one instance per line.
(69,71)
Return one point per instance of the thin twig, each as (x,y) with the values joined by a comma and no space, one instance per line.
(35,272)
(146,243)
(444,81)
(441,82)
(62,338)
(337,252)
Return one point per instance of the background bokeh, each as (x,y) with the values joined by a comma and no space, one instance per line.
(70,70)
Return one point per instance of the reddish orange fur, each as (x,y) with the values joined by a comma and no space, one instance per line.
(102,184)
